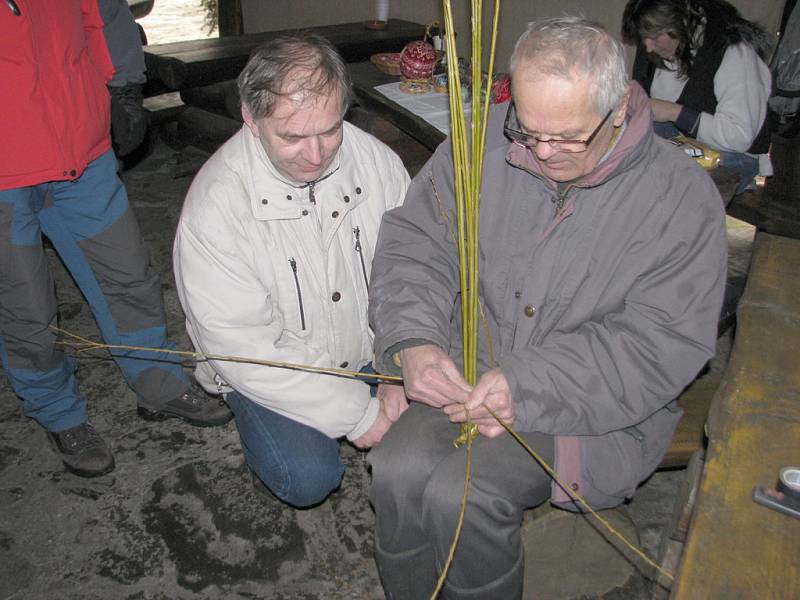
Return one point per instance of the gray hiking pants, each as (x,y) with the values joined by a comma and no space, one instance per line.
(417,485)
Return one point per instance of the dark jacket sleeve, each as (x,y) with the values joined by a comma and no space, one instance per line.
(124,43)
(415,278)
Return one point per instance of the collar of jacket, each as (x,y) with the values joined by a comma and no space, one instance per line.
(278,199)
(629,149)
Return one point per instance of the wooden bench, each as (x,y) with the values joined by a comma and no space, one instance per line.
(736,548)
(194,63)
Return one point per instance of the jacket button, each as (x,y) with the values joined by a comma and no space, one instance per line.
(358,190)
(264,201)
(517,294)
(347,198)
(336,296)
(288,196)
(574,486)
(530,311)
(305,213)
(344,365)
(335,214)
(72,173)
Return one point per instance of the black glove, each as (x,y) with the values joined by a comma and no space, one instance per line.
(128,118)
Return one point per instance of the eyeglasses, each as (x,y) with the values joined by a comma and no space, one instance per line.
(511,129)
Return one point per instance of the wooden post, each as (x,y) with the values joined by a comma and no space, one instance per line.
(229,17)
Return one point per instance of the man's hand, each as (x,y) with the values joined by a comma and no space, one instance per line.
(375,433)
(431,377)
(393,400)
(491,390)
(665,111)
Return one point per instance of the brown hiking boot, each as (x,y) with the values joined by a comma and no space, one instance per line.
(194,406)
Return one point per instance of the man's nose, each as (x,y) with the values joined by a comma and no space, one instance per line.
(313,150)
(649,44)
(544,150)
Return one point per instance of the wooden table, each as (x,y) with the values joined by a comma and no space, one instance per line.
(365,77)
(201,62)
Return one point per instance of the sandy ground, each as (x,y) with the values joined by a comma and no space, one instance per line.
(175,21)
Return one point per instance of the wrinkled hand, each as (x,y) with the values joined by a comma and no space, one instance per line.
(375,433)
(665,111)
(431,377)
(491,390)
(393,400)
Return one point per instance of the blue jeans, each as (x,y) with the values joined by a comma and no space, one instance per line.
(298,464)
(742,164)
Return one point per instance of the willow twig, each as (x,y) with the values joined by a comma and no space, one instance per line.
(83,344)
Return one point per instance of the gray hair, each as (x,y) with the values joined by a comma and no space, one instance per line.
(269,73)
(573,47)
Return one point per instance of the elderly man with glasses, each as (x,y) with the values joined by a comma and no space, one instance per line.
(602,271)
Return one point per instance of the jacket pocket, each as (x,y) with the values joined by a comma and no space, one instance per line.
(293,265)
(359,248)
(614,464)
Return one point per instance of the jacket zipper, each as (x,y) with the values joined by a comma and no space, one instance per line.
(562,198)
(293,264)
(357,233)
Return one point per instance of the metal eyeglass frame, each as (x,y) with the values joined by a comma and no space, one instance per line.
(531,141)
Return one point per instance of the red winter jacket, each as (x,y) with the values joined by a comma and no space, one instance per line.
(54,105)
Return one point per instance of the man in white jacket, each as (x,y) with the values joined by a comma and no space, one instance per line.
(272,261)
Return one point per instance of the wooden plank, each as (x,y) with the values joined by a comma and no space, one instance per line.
(201,62)
(737,548)
(163,108)
(205,130)
(689,436)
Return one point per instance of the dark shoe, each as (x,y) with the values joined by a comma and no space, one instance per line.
(83,451)
(193,406)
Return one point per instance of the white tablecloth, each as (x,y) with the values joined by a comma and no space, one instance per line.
(432,106)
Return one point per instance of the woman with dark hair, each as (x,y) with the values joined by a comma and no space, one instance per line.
(703,66)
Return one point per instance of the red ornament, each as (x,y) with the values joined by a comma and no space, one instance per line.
(501,88)
(417,60)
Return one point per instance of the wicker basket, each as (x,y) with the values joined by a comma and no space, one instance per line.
(387,62)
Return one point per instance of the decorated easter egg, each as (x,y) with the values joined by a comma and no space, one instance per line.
(417,60)
(501,88)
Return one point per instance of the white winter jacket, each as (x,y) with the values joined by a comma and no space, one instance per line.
(262,272)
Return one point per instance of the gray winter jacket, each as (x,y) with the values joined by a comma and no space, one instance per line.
(599,313)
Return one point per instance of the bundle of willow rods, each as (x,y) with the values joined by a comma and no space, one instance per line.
(467,174)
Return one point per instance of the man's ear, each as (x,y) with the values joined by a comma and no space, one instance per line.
(249,120)
(619,117)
